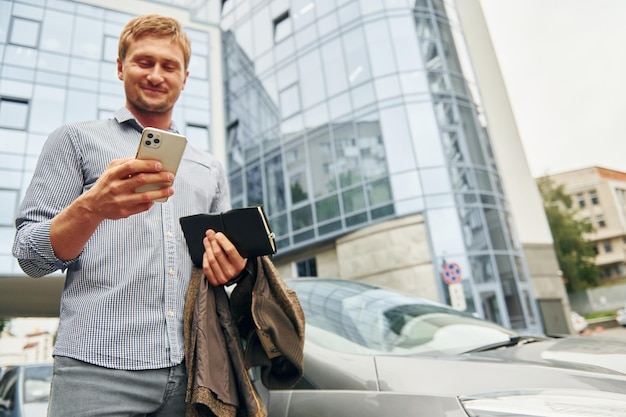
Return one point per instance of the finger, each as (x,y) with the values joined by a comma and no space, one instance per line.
(236,262)
(210,262)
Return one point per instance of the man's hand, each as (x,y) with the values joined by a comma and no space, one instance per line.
(221,262)
(112,197)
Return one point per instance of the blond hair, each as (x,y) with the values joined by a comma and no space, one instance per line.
(157,26)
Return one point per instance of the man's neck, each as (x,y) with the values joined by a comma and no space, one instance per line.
(159,120)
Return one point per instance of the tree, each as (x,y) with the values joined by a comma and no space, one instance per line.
(574,253)
(3,324)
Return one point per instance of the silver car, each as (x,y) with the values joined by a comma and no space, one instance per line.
(24,390)
(372,352)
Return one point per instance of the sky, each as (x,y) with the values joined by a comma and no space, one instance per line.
(564,66)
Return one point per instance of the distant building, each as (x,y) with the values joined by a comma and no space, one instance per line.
(599,196)
(34,347)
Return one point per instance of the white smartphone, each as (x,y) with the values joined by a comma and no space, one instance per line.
(164,146)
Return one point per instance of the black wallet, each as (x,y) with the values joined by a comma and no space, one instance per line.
(247,228)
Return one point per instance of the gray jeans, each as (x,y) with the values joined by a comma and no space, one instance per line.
(81,389)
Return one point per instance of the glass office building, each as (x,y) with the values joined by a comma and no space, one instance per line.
(337,115)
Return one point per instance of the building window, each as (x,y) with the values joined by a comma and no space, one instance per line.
(607,246)
(198,136)
(13,113)
(595,249)
(580,200)
(306,268)
(9,205)
(600,220)
(282,27)
(227,6)
(25,32)
(593,197)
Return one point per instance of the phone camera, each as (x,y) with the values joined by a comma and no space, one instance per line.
(157,140)
(148,143)
(150,135)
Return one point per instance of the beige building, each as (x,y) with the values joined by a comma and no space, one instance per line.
(599,196)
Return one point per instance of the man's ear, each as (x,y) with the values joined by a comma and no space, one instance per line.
(185,80)
(120,69)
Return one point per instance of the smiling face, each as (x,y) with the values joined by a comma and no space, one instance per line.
(154,74)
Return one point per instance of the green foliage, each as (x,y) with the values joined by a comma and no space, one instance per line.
(3,324)
(575,254)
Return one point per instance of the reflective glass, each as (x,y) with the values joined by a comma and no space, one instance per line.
(5,18)
(339,106)
(303,12)
(20,56)
(379,192)
(82,105)
(13,141)
(334,68)
(406,185)
(301,218)
(13,114)
(387,87)
(87,38)
(262,30)
(347,152)
(8,206)
(298,187)
(435,181)
(282,29)
(47,109)
(327,208)
(275,184)
(254,188)
(353,200)
(425,135)
(405,44)
(327,24)
(398,142)
(244,36)
(382,60)
(311,80)
(448,239)
(355,50)
(482,269)
(322,164)
(25,32)
(198,136)
(56,34)
(290,101)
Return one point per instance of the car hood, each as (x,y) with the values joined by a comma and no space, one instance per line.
(572,362)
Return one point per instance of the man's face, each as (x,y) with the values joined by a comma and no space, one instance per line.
(154,74)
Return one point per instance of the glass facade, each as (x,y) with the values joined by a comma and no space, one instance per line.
(339,114)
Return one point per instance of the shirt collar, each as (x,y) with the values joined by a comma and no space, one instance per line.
(124,116)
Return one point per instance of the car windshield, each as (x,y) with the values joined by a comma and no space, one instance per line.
(349,316)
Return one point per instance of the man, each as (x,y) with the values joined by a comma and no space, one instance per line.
(120,347)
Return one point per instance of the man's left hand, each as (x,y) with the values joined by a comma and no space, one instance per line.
(221,262)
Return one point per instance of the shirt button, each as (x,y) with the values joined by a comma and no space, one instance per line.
(169,234)
(170,272)
(170,313)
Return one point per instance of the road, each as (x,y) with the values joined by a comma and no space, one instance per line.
(612,332)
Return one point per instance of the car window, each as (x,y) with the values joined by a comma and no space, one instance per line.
(353,317)
(7,389)
(37,384)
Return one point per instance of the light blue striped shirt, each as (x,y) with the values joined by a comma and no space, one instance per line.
(122,305)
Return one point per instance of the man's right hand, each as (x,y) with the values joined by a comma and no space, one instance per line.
(112,197)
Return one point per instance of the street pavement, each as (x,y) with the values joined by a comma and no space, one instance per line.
(618,332)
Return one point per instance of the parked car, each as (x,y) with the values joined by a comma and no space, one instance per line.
(578,322)
(620,316)
(372,352)
(24,390)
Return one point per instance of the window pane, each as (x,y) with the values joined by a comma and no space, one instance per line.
(25,32)
(13,114)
